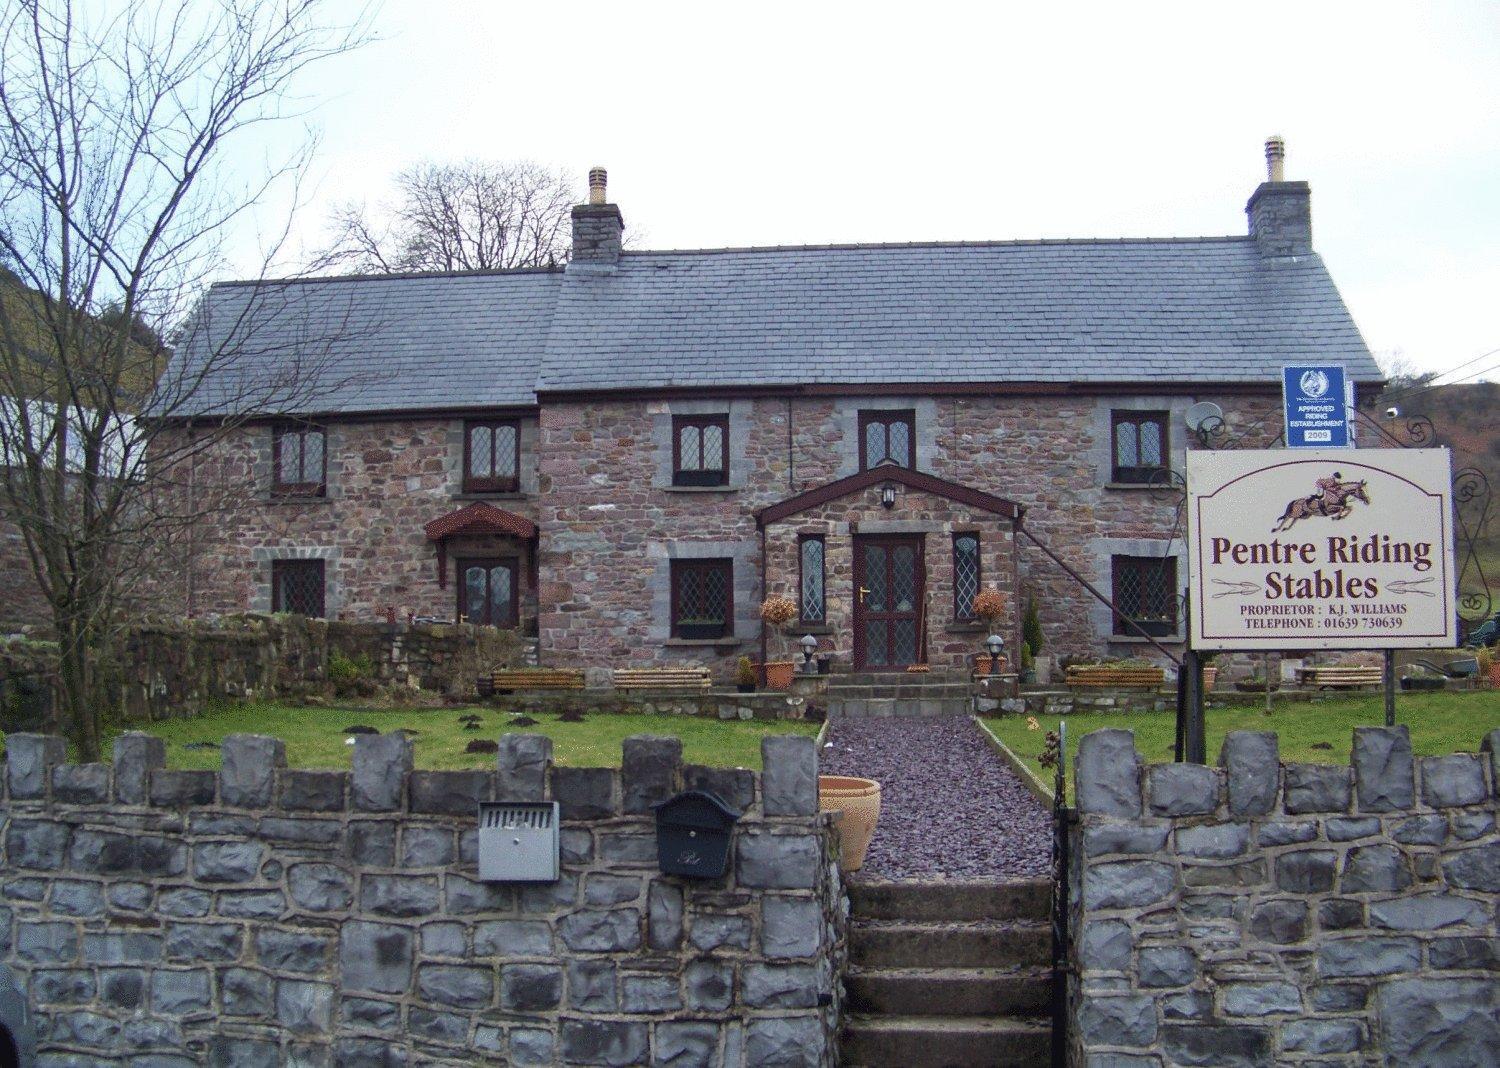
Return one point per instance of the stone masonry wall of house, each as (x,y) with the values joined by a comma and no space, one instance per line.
(261,916)
(1260,912)
(596,478)
(23,604)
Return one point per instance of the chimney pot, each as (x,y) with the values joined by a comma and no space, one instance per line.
(598,181)
(1275,156)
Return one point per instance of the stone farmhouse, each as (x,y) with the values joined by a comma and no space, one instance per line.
(624,456)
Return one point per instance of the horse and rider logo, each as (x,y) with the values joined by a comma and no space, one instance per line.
(1334,499)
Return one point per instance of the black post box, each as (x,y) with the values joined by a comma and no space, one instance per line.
(692,834)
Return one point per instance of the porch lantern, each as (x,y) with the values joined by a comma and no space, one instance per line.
(888,495)
(809,647)
(996,645)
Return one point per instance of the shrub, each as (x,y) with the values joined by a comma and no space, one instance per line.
(744,672)
(347,674)
(989,605)
(778,611)
(1031,626)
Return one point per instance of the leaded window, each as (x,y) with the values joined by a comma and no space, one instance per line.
(492,454)
(700,450)
(965,575)
(1145,589)
(487,592)
(297,586)
(299,461)
(702,598)
(887,438)
(1140,445)
(812,603)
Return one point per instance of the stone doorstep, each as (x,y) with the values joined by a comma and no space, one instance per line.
(972,944)
(1017,899)
(950,991)
(944,1042)
(888,708)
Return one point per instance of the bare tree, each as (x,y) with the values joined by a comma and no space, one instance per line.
(464,216)
(116,199)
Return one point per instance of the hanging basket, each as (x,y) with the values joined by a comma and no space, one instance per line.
(859,801)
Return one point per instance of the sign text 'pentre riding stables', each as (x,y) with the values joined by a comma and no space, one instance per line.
(1321,549)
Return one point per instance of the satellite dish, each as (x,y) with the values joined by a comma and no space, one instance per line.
(1204,413)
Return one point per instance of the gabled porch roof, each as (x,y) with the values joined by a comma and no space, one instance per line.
(917,480)
(480,518)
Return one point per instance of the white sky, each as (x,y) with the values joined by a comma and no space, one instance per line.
(816,122)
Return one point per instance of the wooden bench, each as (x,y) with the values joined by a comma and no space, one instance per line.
(676,678)
(1337,677)
(1104,676)
(538,679)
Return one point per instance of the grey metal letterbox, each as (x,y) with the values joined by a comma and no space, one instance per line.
(518,841)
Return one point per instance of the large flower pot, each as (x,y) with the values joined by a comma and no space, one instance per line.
(779,674)
(859,801)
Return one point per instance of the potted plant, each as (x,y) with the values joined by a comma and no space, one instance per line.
(777,613)
(744,675)
(1028,664)
(1031,634)
(1485,657)
(1210,670)
(989,609)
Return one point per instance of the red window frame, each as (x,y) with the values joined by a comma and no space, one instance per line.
(699,476)
(702,628)
(284,436)
(496,482)
(964,613)
(280,570)
(822,617)
(1137,473)
(887,418)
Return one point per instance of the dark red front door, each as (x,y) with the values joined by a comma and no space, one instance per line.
(889,582)
(488,594)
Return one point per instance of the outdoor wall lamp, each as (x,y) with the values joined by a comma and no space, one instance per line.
(995,644)
(809,646)
(888,495)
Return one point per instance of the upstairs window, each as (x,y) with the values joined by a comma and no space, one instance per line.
(1145,591)
(702,598)
(810,559)
(1140,445)
(965,575)
(299,461)
(700,450)
(297,586)
(887,437)
(492,456)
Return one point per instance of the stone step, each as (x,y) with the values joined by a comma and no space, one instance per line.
(943,1042)
(950,991)
(976,944)
(902,692)
(860,707)
(1019,899)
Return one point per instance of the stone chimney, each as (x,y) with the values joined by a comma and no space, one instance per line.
(598,225)
(1280,211)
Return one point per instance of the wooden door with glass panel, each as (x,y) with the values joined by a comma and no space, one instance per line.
(488,591)
(889,581)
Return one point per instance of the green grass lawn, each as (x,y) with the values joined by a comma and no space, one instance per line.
(315,737)
(1439,723)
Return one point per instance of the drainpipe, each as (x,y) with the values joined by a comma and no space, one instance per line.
(763,599)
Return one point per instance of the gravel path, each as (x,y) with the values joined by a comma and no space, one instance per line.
(949,808)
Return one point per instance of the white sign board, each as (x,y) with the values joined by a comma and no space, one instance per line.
(1321,549)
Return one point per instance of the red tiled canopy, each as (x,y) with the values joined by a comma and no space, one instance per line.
(480,518)
(477,518)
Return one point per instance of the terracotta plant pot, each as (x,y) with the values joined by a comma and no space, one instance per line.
(859,801)
(1210,676)
(779,674)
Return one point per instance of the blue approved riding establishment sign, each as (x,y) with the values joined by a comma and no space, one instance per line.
(1317,415)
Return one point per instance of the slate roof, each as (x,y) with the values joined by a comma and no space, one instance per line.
(1188,309)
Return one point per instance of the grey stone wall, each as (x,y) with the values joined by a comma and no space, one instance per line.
(1259,913)
(267,916)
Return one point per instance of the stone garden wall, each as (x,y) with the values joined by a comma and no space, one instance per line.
(1260,913)
(261,916)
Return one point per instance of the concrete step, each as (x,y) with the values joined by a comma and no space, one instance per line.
(1021,899)
(838,706)
(976,944)
(950,991)
(898,678)
(944,1042)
